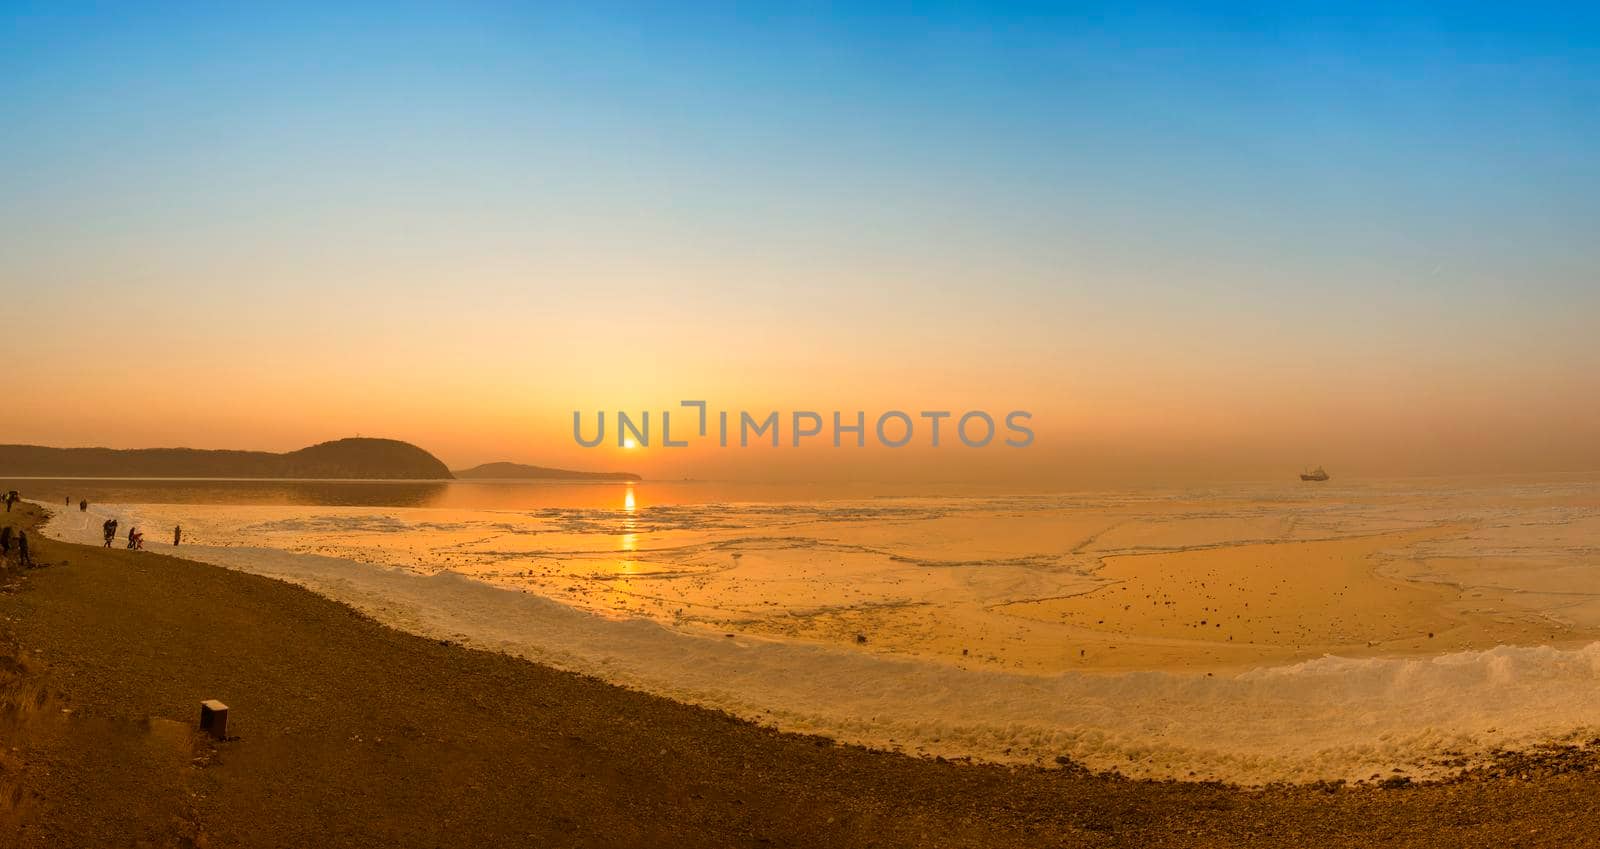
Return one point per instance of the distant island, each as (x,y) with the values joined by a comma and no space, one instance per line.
(521,471)
(357,458)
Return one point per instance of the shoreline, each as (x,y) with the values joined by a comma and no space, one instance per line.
(353,733)
(1422,716)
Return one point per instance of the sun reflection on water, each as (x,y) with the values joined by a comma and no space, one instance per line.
(630,535)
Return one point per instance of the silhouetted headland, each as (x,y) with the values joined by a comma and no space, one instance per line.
(522,471)
(356,458)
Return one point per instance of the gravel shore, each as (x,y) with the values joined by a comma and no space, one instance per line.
(347,733)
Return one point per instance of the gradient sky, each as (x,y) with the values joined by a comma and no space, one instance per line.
(1196,242)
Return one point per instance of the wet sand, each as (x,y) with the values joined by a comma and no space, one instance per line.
(348,733)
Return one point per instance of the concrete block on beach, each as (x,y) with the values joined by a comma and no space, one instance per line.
(214,718)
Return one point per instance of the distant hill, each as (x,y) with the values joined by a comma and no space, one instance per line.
(520,471)
(383,459)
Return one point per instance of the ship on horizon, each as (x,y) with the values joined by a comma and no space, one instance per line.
(1316,474)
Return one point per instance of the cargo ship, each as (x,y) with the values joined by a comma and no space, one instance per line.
(1316,474)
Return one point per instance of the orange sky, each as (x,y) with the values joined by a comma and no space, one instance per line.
(1245,253)
(1112,401)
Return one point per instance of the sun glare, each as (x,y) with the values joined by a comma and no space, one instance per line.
(628,442)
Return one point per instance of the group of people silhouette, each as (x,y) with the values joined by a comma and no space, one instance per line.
(20,538)
(11,538)
(136,536)
(24,559)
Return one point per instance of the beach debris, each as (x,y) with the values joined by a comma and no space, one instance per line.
(861,639)
(214,718)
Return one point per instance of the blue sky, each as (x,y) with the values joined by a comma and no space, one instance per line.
(1400,131)
(1213,184)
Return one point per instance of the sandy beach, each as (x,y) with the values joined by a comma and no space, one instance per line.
(345,732)
(1366,631)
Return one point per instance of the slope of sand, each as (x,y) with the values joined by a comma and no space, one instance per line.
(347,733)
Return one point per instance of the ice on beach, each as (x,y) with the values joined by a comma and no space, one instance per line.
(1003,629)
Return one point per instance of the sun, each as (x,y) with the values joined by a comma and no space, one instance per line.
(628,442)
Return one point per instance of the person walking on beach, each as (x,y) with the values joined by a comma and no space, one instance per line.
(83,505)
(5,541)
(22,551)
(110,528)
(177,535)
(133,534)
